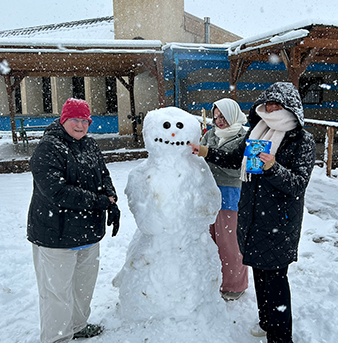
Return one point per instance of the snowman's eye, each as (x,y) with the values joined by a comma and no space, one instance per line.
(166,125)
(179,125)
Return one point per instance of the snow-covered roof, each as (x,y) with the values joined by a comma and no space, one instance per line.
(283,34)
(96,28)
(64,45)
(195,46)
(95,35)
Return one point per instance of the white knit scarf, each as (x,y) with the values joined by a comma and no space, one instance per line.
(272,128)
(229,132)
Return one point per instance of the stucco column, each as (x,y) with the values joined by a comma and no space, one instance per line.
(31,95)
(3,97)
(95,90)
(123,103)
(62,89)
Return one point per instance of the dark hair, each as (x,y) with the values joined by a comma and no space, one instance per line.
(212,113)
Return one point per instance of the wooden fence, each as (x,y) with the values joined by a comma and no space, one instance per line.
(330,128)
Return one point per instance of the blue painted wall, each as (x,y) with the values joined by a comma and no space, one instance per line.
(180,61)
(100,124)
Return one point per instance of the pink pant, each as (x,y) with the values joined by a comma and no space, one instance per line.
(223,232)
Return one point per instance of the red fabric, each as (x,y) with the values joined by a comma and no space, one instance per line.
(223,232)
(75,108)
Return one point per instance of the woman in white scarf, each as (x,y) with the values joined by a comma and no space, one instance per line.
(271,205)
(228,118)
(275,121)
(226,135)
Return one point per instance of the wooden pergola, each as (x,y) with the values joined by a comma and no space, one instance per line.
(296,47)
(121,59)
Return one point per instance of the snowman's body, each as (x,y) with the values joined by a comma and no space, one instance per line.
(172,268)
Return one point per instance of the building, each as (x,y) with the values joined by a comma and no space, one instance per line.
(118,98)
(304,53)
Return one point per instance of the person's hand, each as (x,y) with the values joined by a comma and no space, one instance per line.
(114,218)
(195,148)
(267,159)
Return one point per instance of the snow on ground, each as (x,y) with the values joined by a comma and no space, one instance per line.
(313,279)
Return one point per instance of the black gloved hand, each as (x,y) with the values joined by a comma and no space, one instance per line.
(114,218)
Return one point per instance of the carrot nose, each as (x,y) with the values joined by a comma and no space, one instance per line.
(173,135)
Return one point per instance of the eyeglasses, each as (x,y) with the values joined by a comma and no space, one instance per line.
(77,120)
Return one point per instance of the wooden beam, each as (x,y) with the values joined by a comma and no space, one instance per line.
(11,107)
(89,64)
(18,78)
(285,58)
(298,62)
(237,69)
(130,88)
(150,65)
(294,76)
(329,149)
(131,79)
(319,43)
(295,60)
(124,83)
(234,67)
(160,81)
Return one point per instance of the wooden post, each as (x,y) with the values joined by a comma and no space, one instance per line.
(160,81)
(237,69)
(131,79)
(329,149)
(329,138)
(233,79)
(9,90)
(130,87)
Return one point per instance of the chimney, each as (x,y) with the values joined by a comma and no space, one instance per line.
(207,29)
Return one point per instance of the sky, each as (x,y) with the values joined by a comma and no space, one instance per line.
(245,18)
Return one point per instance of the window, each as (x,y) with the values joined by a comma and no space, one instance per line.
(78,88)
(47,95)
(111,95)
(18,104)
(310,90)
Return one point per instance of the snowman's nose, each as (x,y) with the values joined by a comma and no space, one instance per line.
(173,135)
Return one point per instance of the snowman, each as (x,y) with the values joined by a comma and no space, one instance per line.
(172,268)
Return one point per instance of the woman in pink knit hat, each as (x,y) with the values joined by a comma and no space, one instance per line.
(72,192)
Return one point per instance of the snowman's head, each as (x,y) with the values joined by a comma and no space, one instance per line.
(169,130)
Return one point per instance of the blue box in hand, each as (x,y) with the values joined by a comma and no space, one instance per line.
(253,148)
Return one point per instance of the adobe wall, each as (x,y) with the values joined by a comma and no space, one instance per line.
(161,19)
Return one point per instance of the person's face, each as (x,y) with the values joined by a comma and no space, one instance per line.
(76,128)
(272,106)
(220,120)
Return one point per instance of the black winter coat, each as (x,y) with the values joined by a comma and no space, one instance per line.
(271,205)
(70,191)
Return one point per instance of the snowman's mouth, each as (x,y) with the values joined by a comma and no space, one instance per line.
(160,140)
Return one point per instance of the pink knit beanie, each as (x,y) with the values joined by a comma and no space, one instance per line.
(75,108)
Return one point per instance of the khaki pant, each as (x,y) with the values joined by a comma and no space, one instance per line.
(66,279)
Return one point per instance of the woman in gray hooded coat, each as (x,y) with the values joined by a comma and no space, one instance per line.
(227,133)
(271,205)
